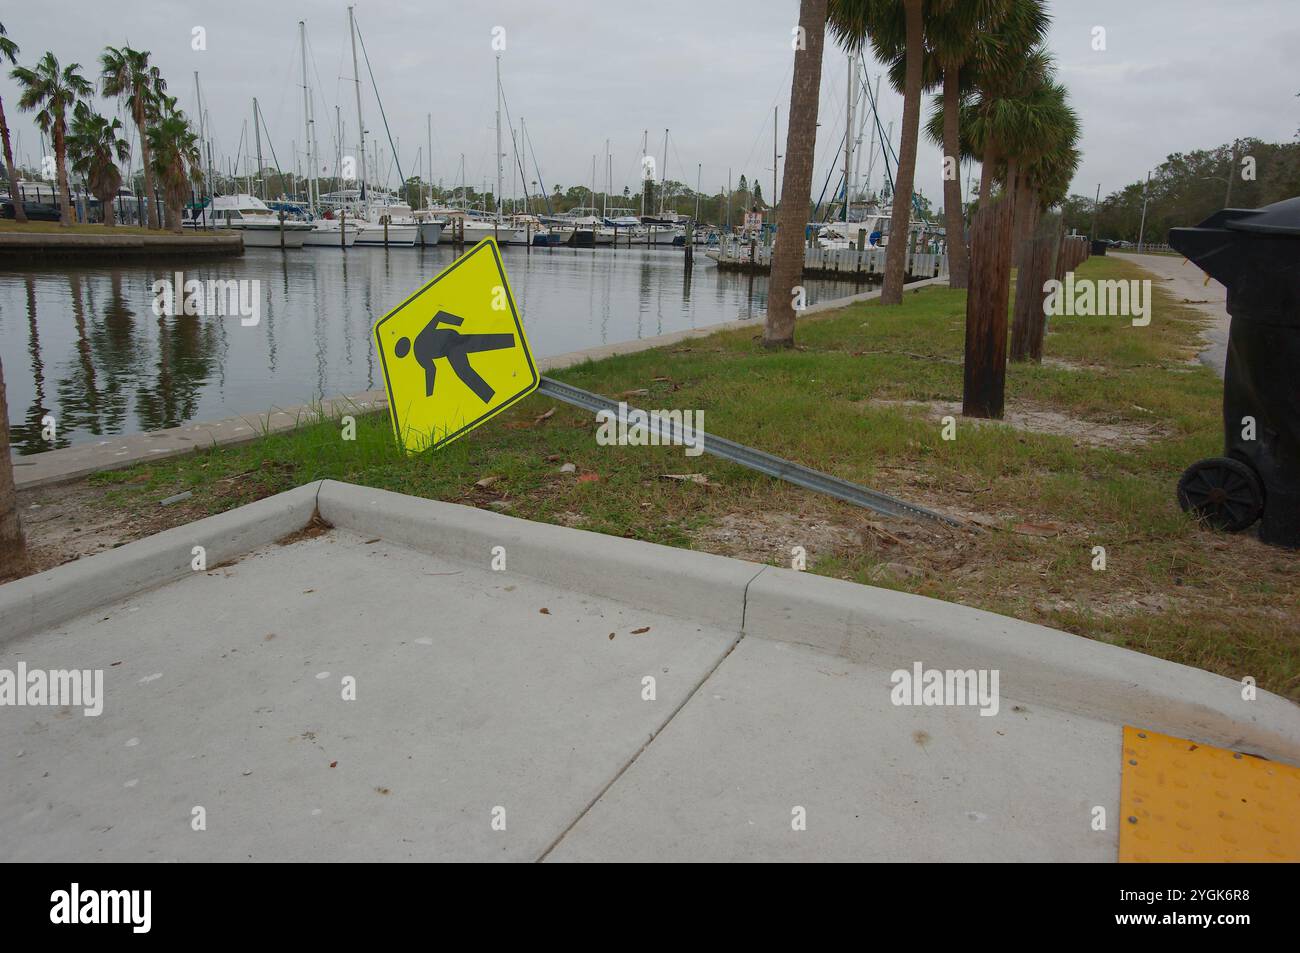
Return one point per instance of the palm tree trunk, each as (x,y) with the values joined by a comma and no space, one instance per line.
(61,163)
(800,139)
(148,177)
(13,548)
(988,165)
(955,226)
(20,213)
(106,203)
(896,253)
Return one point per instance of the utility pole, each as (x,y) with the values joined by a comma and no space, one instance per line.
(1142,229)
(1232,170)
(1092,231)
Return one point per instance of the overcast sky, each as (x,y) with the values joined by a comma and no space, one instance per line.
(1175,75)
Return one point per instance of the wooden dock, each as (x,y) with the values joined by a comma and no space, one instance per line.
(842,263)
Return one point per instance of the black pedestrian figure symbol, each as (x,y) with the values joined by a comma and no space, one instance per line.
(435,342)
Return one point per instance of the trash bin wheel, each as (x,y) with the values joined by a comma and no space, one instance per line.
(1224,493)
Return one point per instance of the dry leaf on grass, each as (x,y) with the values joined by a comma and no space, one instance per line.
(700,478)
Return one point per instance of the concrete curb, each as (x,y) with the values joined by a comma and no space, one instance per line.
(887,629)
(73,463)
(676,582)
(47,599)
(894,630)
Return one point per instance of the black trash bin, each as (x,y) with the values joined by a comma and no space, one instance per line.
(1099,247)
(1255,254)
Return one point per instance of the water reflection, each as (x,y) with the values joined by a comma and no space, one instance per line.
(84,345)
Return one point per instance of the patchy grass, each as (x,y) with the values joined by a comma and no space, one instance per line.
(1039,502)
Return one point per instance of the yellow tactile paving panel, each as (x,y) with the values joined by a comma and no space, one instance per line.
(1183,801)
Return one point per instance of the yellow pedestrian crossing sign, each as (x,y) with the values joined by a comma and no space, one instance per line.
(454,353)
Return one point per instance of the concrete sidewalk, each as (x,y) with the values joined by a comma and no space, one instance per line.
(1186,284)
(521,696)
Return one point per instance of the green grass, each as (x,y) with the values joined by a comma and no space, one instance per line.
(1171,588)
(10,226)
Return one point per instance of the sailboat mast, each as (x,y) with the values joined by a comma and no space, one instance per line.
(428,118)
(775,157)
(306,111)
(848,137)
(500,171)
(663,178)
(609,181)
(361,126)
(257,136)
(645,148)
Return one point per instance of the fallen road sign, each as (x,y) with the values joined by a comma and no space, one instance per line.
(454,354)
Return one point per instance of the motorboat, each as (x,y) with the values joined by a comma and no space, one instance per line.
(251,217)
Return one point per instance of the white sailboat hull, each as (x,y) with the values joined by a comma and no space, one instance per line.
(337,236)
(397,234)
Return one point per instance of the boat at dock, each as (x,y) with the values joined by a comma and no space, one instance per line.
(252,218)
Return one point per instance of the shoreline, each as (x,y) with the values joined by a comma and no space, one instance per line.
(24,246)
(67,464)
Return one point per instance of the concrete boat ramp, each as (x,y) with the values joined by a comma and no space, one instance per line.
(360,675)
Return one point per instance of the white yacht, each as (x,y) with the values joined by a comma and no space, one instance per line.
(390,223)
(249,215)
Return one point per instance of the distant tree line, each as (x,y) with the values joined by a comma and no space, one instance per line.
(1188,187)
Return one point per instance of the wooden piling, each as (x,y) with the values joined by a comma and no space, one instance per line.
(985,370)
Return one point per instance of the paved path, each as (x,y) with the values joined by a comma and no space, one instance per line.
(521,694)
(1186,283)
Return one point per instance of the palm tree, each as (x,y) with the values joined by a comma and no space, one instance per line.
(9,51)
(895,28)
(96,148)
(961,41)
(13,547)
(174,150)
(126,73)
(53,91)
(800,140)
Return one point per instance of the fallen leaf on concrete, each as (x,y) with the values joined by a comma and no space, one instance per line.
(611,635)
(334,764)
(1036,529)
(544,611)
(641,631)
(700,478)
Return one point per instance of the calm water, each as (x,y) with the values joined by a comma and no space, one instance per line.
(82,343)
